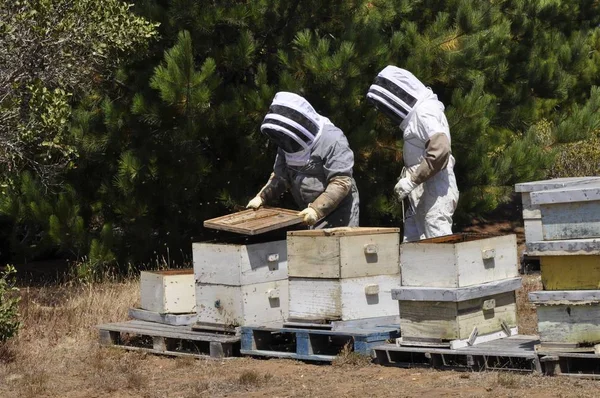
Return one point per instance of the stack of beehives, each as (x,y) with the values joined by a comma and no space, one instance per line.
(343,273)
(458,290)
(568,308)
(239,283)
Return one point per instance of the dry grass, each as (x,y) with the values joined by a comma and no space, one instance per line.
(525,310)
(347,357)
(57,355)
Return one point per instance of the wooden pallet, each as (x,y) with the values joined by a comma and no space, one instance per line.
(312,344)
(167,339)
(254,222)
(514,353)
(571,364)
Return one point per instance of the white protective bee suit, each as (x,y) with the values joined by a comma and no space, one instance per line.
(314,161)
(428,179)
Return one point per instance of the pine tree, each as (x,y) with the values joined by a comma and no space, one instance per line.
(174,139)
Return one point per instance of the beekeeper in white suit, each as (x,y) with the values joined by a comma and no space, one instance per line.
(313,160)
(428,178)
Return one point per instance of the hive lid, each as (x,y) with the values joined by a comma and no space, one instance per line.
(576,193)
(254,222)
(554,183)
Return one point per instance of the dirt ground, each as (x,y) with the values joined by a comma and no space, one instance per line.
(57,355)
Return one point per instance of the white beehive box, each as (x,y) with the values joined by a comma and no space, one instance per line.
(458,260)
(571,212)
(343,252)
(316,299)
(343,273)
(241,284)
(532,216)
(168,292)
(568,317)
(238,264)
(447,314)
(256,304)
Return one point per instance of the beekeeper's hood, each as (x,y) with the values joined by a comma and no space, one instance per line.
(397,93)
(294,126)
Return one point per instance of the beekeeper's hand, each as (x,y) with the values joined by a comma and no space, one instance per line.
(310,216)
(255,203)
(404,187)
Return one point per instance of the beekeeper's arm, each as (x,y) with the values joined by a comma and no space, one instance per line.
(436,157)
(337,164)
(275,187)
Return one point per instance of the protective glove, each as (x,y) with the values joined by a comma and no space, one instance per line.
(310,216)
(255,203)
(404,187)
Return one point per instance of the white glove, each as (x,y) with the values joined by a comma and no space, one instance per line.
(255,203)
(404,187)
(310,216)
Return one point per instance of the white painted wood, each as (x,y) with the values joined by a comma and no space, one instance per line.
(411,293)
(166,319)
(456,320)
(456,344)
(458,264)
(356,261)
(554,296)
(168,292)
(530,211)
(238,265)
(344,255)
(473,340)
(342,299)
(254,304)
(356,304)
(574,220)
(533,229)
(576,193)
(554,183)
(569,323)
(564,247)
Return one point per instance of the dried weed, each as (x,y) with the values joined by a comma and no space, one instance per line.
(348,357)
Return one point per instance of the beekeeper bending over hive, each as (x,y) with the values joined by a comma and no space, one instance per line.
(428,178)
(313,160)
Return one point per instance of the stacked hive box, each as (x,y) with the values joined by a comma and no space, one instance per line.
(238,284)
(168,292)
(342,273)
(532,216)
(458,289)
(569,253)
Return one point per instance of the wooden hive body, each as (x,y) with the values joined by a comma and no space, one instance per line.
(572,264)
(571,212)
(532,216)
(445,314)
(316,299)
(568,317)
(255,304)
(458,260)
(240,264)
(168,292)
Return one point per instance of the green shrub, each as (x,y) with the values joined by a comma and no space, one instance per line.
(577,159)
(9,305)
